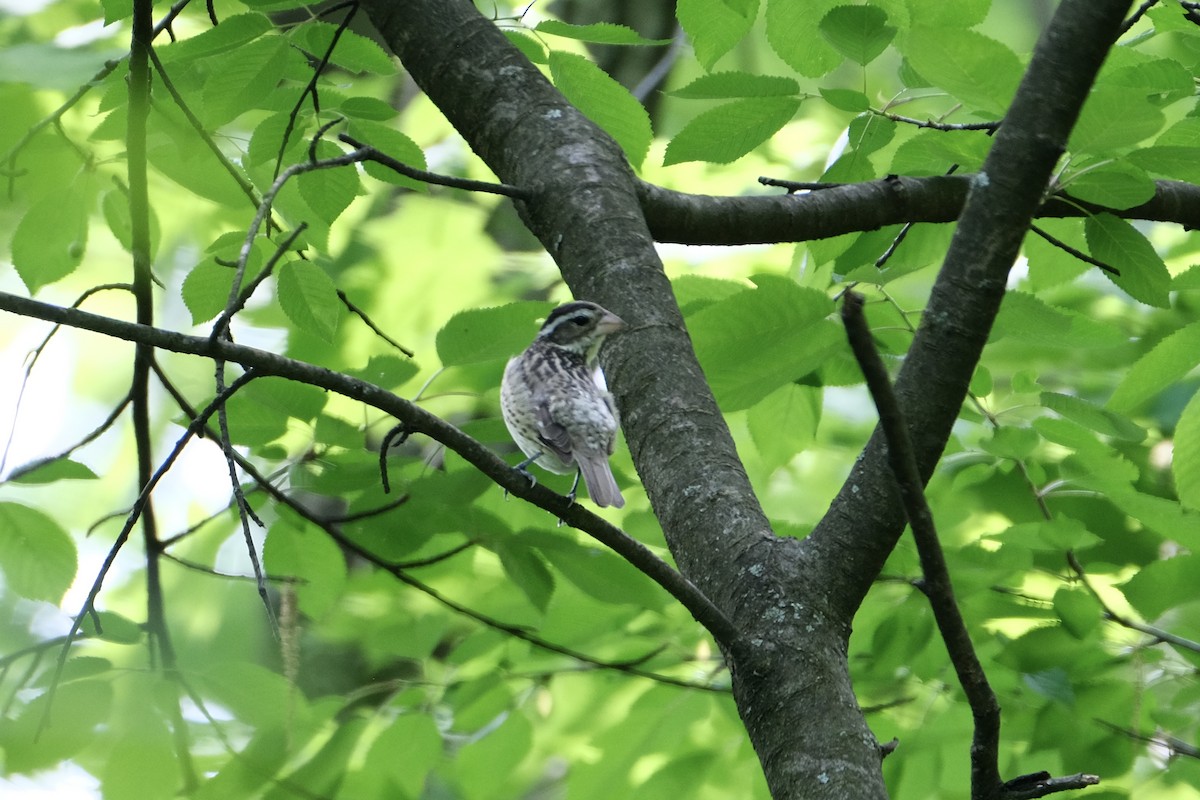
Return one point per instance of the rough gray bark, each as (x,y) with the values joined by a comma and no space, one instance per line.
(792,601)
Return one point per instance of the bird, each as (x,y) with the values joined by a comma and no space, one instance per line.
(556,404)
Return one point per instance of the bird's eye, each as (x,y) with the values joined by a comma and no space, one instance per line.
(579,321)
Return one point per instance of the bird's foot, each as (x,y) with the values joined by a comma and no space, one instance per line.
(521,468)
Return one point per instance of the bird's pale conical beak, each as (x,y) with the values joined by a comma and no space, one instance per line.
(609,323)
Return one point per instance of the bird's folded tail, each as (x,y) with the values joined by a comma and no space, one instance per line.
(601,485)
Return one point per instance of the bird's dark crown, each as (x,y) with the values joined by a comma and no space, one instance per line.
(574,325)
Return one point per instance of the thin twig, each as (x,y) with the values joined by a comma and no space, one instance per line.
(358,312)
(369,153)
(1066,248)
(985,772)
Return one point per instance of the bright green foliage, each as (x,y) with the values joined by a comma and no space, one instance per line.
(605,102)
(479,662)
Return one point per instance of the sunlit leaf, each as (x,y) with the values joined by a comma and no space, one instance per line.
(596,33)
(487,334)
(605,102)
(36,555)
(727,132)
(976,69)
(1143,276)
(714,26)
(309,297)
(860,33)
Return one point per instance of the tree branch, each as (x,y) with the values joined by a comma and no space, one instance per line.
(419,421)
(848,208)
(985,744)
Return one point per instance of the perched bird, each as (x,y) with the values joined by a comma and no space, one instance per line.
(556,404)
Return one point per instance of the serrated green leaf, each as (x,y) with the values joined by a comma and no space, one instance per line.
(243,80)
(371,109)
(353,52)
(1092,416)
(726,133)
(1188,280)
(1027,318)
(846,100)
(50,239)
(964,13)
(720,85)
(50,471)
(760,339)
(1053,683)
(1119,185)
(309,298)
(794,34)
(979,71)
(1185,463)
(1170,161)
(1059,535)
(312,559)
(329,192)
(860,33)
(417,737)
(534,50)
(395,144)
(1012,442)
(206,290)
(37,556)
(115,205)
(598,573)
(1114,118)
(713,26)
(1144,276)
(112,627)
(1162,585)
(233,32)
(597,33)
(388,372)
(605,102)
(1165,364)
(1078,610)
(489,334)
(784,423)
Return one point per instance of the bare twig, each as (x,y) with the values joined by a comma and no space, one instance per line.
(358,312)
(1066,248)
(420,421)
(985,772)
(369,153)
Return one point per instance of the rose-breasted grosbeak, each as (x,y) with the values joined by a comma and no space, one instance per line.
(556,404)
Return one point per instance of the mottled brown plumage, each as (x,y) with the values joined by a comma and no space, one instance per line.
(555,402)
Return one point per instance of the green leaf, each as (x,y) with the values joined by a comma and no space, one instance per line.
(784,423)
(206,290)
(395,144)
(1170,161)
(598,573)
(34,740)
(1144,276)
(407,749)
(596,33)
(387,372)
(47,66)
(961,13)
(330,191)
(1186,461)
(1057,535)
(727,132)
(259,412)
(309,298)
(1161,585)
(312,559)
(51,470)
(793,31)
(486,766)
(37,556)
(846,100)
(141,763)
(353,52)
(1027,318)
(1114,118)
(1078,610)
(243,80)
(50,239)
(605,102)
(760,339)
(232,33)
(973,68)
(1119,185)
(1092,416)
(530,47)
(860,33)
(527,569)
(714,26)
(1165,364)
(721,85)
(489,334)
(115,205)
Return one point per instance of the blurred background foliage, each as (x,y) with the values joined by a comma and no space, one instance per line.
(1059,499)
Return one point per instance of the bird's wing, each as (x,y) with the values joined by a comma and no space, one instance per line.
(553,434)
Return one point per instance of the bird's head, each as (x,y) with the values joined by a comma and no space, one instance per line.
(580,327)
